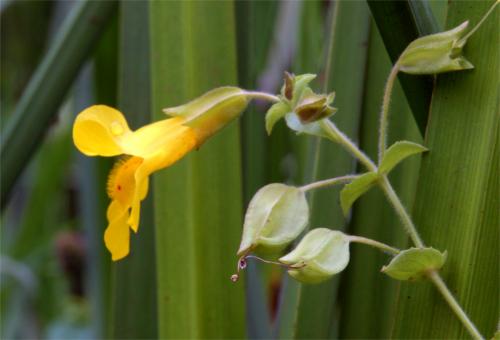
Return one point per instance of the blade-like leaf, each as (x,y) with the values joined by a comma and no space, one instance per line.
(134,284)
(398,152)
(352,191)
(197,201)
(456,206)
(48,87)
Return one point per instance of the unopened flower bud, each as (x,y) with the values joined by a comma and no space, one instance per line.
(436,53)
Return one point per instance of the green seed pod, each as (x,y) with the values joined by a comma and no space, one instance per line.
(436,53)
(321,254)
(276,215)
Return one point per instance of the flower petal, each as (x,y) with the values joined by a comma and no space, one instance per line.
(117,234)
(100,130)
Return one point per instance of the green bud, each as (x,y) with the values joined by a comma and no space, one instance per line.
(212,111)
(276,215)
(321,254)
(414,263)
(436,53)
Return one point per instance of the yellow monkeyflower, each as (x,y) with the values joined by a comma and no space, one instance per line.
(103,131)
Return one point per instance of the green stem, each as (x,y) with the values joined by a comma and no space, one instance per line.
(401,211)
(263,95)
(328,182)
(384,114)
(462,41)
(376,244)
(454,305)
(332,130)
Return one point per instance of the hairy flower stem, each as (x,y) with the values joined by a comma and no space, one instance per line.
(263,95)
(382,246)
(328,182)
(454,305)
(410,228)
(401,211)
(384,113)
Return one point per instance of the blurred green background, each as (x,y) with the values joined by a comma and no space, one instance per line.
(57,280)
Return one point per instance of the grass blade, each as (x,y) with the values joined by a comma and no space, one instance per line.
(46,90)
(134,284)
(198,210)
(458,187)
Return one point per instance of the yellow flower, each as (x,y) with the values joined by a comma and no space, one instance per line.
(103,131)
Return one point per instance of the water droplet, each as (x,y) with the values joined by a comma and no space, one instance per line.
(116,128)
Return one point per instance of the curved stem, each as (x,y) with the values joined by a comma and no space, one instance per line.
(328,182)
(410,228)
(349,145)
(376,244)
(384,113)
(263,95)
(454,305)
(401,211)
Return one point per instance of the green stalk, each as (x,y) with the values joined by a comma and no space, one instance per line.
(48,87)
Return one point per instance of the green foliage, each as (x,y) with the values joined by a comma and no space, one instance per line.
(352,191)
(396,153)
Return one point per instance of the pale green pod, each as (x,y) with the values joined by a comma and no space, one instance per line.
(321,254)
(436,53)
(276,215)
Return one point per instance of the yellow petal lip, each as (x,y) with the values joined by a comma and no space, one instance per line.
(100,130)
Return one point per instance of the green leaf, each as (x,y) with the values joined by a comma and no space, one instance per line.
(456,206)
(48,87)
(275,113)
(133,283)
(198,200)
(276,215)
(414,263)
(352,191)
(321,254)
(396,153)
